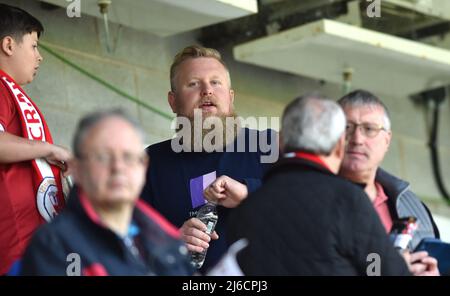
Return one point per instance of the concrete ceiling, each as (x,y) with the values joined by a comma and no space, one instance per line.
(326,48)
(167,17)
(292,35)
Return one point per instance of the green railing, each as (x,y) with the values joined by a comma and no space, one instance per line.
(105,83)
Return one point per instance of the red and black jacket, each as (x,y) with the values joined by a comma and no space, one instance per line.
(79,230)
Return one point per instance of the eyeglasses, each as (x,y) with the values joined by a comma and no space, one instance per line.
(370,130)
(107,159)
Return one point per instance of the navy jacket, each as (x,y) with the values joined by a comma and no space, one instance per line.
(168,180)
(78,230)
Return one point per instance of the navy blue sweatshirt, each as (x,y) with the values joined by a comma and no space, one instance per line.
(169,176)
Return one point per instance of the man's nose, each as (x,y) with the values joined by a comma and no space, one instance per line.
(207,90)
(356,137)
(117,163)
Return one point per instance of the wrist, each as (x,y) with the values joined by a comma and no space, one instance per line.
(47,148)
(243,191)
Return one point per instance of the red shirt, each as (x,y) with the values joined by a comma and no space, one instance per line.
(19,216)
(381,206)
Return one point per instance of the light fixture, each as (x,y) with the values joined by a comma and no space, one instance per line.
(104,5)
(347,76)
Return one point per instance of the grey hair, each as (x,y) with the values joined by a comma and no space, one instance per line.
(312,123)
(92,119)
(363,98)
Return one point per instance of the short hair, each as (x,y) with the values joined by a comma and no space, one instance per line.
(363,98)
(16,22)
(312,123)
(193,52)
(92,119)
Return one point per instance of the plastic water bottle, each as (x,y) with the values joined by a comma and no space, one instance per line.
(402,232)
(208,215)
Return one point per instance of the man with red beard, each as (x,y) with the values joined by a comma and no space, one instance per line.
(30,181)
(368,134)
(182,168)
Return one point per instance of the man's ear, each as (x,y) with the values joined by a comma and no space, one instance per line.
(232,95)
(7,46)
(340,148)
(146,161)
(280,142)
(74,168)
(388,139)
(172,101)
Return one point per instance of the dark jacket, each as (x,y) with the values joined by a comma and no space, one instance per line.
(402,202)
(78,230)
(305,220)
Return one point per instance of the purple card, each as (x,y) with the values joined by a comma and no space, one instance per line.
(197,186)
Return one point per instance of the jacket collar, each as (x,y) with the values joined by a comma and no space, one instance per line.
(308,156)
(89,209)
(393,186)
(296,163)
(80,205)
(143,214)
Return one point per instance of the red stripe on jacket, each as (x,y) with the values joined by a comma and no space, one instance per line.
(150,212)
(95,269)
(158,218)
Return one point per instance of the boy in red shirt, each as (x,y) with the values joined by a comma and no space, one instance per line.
(30,165)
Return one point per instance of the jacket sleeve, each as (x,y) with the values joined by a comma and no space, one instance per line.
(435,228)
(252,184)
(46,256)
(368,243)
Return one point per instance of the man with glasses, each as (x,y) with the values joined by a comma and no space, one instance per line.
(368,135)
(306,220)
(106,229)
